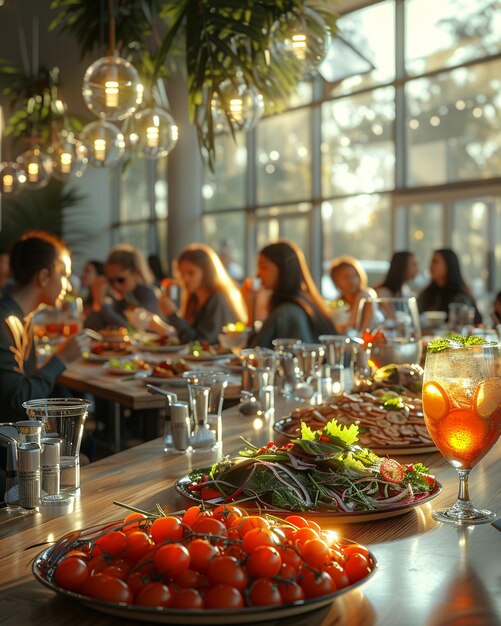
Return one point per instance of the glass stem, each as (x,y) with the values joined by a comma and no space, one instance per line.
(463,494)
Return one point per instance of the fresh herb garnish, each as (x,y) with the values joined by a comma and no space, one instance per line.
(439,344)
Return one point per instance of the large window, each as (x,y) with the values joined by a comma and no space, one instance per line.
(397,145)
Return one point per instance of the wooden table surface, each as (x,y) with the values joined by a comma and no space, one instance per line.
(428,574)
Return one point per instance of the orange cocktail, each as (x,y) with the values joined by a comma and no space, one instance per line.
(462,411)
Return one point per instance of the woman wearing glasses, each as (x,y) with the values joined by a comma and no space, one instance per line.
(126,285)
(209,298)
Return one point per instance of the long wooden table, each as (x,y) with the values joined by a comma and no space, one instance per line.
(428,574)
(126,390)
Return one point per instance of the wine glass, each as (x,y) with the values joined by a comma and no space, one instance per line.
(462,411)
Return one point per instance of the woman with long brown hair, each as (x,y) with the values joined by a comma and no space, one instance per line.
(296,308)
(209,297)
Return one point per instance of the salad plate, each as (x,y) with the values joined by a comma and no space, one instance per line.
(174,381)
(207,357)
(182,487)
(154,347)
(245,615)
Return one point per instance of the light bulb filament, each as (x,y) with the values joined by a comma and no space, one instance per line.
(152,134)
(299,45)
(111,93)
(33,172)
(236,109)
(8,183)
(65,163)
(100,149)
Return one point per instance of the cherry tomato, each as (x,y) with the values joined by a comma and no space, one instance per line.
(133,522)
(338,575)
(209,526)
(228,514)
(302,535)
(191,514)
(391,471)
(108,588)
(171,559)
(155,594)
(264,562)
(166,529)
(137,580)
(71,573)
(290,556)
(138,544)
(356,567)
(113,570)
(264,592)
(297,520)
(250,522)
(259,537)
(224,597)
(190,579)
(226,570)
(315,552)
(314,525)
(355,548)
(112,543)
(316,584)
(201,552)
(291,591)
(188,599)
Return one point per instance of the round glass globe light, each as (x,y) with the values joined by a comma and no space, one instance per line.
(154,132)
(239,104)
(9,182)
(34,168)
(104,142)
(111,88)
(68,158)
(304,37)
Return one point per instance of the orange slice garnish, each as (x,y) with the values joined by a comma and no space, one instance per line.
(487,398)
(436,404)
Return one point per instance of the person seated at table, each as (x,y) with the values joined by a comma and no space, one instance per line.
(295,308)
(209,297)
(130,280)
(447,285)
(91,270)
(403,268)
(350,279)
(40,265)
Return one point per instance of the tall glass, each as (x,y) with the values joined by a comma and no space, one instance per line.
(287,369)
(462,411)
(258,375)
(63,418)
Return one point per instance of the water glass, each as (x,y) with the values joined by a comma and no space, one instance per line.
(259,375)
(310,357)
(206,396)
(287,371)
(461,317)
(63,418)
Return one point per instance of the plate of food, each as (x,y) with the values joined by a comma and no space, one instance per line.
(259,591)
(389,422)
(203,351)
(168,372)
(163,344)
(115,334)
(102,351)
(120,367)
(323,473)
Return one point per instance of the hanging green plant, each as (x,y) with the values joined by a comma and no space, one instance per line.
(251,48)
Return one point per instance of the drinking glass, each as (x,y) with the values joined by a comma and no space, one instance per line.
(310,357)
(63,418)
(287,369)
(391,326)
(258,375)
(462,411)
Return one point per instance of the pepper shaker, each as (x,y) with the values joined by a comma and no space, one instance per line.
(29,475)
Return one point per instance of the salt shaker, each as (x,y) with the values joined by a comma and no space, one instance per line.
(181,425)
(28,460)
(51,471)
(29,431)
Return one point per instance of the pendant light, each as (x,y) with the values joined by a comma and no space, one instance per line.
(236,103)
(34,168)
(303,36)
(9,181)
(104,142)
(111,88)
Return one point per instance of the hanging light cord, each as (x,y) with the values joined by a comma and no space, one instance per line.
(111,29)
